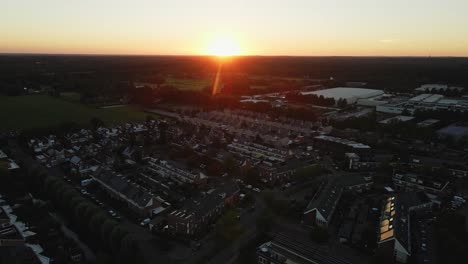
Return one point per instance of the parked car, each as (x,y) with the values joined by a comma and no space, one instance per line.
(145,222)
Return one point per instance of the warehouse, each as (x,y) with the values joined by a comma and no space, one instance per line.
(351,95)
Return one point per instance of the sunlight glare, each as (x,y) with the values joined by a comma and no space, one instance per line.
(224,47)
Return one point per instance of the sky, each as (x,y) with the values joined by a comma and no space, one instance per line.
(257,27)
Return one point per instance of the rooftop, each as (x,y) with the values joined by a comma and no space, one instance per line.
(127,189)
(326,199)
(437,87)
(293,249)
(457,130)
(400,118)
(202,205)
(429,182)
(20,254)
(347,180)
(350,94)
(395,217)
(343,141)
(428,122)
(427,98)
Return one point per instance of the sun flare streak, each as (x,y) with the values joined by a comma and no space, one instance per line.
(217,80)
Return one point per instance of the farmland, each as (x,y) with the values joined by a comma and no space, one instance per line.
(189,84)
(39,111)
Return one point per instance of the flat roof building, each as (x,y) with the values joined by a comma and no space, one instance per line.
(457,130)
(350,94)
(413,182)
(395,222)
(289,248)
(437,87)
(424,102)
(399,118)
(340,146)
(428,122)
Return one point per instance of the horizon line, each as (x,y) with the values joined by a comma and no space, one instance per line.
(208,55)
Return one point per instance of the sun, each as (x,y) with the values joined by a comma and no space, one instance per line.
(223,47)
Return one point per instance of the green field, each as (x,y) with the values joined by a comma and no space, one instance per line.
(189,84)
(39,111)
(71,96)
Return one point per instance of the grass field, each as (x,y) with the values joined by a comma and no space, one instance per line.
(70,96)
(189,84)
(38,111)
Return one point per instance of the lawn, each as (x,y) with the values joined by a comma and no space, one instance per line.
(189,84)
(38,111)
(71,96)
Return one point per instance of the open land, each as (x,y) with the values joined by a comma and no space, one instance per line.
(38,111)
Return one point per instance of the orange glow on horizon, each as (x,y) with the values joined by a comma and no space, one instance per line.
(223,47)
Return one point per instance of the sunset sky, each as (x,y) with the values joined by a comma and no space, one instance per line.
(256,27)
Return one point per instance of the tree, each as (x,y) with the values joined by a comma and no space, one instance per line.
(450,228)
(162,126)
(96,123)
(319,234)
(342,103)
(80,208)
(227,227)
(103,258)
(252,176)
(230,164)
(264,221)
(129,248)
(308,173)
(116,237)
(405,112)
(3,168)
(106,230)
(96,222)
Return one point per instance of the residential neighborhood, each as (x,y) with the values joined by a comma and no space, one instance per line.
(300,169)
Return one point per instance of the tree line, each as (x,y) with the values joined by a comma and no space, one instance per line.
(91,222)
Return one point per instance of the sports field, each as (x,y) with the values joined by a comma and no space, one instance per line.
(38,111)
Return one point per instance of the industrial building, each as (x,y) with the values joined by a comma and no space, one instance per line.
(425,88)
(456,131)
(340,146)
(399,118)
(424,102)
(352,95)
